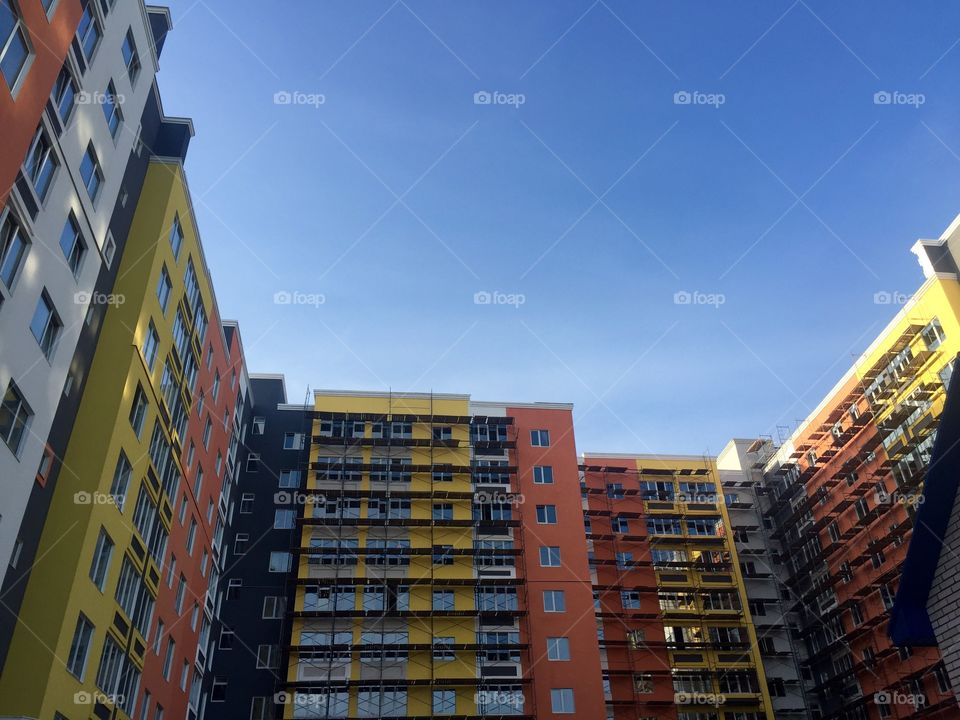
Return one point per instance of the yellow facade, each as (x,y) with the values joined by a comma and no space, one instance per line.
(421,575)
(36,681)
(695,615)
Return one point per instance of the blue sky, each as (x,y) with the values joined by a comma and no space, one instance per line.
(783,189)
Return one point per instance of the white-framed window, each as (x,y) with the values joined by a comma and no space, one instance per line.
(540,438)
(46,324)
(72,244)
(284,519)
(280,562)
(546,514)
(15,417)
(151,345)
(131,57)
(111,109)
(64,94)
(164,289)
(91,172)
(89,32)
(561,701)
(554,601)
(41,163)
(268,657)
(543,475)
(289,478)
(14,245)
(292,441)
(444,702)
(549,556)
(176,237)
(273,607)
(258,425)
(100,566)
(253,462)
(558,648)
(15,50)
(80,648)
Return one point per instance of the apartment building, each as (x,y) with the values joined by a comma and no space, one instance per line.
(79,77)
(114,620)
(844,492)
(764,570)
(675,626)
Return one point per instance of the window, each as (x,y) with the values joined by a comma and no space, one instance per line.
(240,541)
(138,411)
(14,48)
(259,423)
(207,430)
(246,503)
(273,607)
(547,514)
(181,589)
(168,658)
(158,637)
(72,244)
(543,475)
(442,600)
(45,324)
(558,648)
(88,33)
(280,562)
(215,391)
(549,556)
(561,700)
(191,536)
(91,173)
(176,237)
(80,648)
(443,511)
(13,248)
(101,560)
(444,702)
(41,163)
(630,599)
(540,438)
(284,519)
(292,441)
(268,657)
(253,459)
(151,344)
(64,94)
(111,109)
(289,478)
(554,601)
(164,289)
(131,58)
(14,418)
(443,649)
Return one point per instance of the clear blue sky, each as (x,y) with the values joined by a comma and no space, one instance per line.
(399,198)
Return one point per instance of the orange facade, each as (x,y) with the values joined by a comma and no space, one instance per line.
(20,110)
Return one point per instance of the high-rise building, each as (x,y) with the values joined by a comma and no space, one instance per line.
(77,103)
(117,610)
(843,494)
(675,626)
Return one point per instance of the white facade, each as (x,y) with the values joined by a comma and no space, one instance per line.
(42,377)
